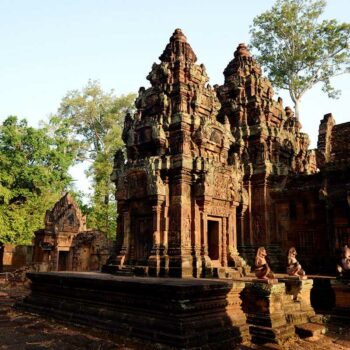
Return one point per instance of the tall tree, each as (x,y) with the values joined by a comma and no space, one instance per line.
(33,174)
(96,119)
(298,49)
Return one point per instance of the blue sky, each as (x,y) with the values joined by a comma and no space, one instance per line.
(49,47)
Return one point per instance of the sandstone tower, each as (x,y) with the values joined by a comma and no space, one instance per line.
(207,170)
(177,190)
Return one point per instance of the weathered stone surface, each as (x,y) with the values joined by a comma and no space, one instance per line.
(322,295)
(263,304)
(178,189)
(66,244)
(341,311)
(297,302)
(268,145)
(13,257)
(185,313)
(310,330)
(209,172)
(314,209)
(20,330)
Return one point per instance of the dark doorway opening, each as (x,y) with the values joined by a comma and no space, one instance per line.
(213,239)
(143,239)
(63,261)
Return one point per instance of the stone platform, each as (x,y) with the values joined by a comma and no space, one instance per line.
(183,313)
(263,304)
(276,310)
(297,302)
(341,310)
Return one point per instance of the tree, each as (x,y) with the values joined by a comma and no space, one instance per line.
(95,119)
(298,50)
(33,175)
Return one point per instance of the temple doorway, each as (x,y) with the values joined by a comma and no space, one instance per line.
(213,239)
(63,261)
(143,239)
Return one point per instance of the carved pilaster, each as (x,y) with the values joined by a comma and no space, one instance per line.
(154,259)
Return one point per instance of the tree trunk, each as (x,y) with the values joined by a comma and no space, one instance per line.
(297,108)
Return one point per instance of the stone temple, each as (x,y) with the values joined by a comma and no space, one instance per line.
(208,175)
(180,190)
(210,171)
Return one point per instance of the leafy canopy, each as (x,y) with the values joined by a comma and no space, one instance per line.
(33,175)
(298,49)
(95,119)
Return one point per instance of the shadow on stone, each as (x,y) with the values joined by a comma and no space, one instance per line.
(263,305)
(182,313)
(322,295)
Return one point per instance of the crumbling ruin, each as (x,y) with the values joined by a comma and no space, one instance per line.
(65,244)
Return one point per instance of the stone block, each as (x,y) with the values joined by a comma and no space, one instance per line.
(341,311)
(185,313)
(310,330)
(263,304)
(297,302)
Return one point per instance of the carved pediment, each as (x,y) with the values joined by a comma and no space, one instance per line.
(213,132)
(65,215)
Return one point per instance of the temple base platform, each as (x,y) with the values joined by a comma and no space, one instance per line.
(341,310)
(276,311)
(146,271)
(182,313)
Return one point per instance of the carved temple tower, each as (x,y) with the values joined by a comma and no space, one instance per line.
(268,142)
(179,187)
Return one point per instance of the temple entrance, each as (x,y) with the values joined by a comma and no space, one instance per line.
(213,239)
(143,239)
(63,261)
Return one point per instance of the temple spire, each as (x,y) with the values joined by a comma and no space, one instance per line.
(242,51)
(177,48)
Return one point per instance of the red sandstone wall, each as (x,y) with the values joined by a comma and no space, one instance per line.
(17,256)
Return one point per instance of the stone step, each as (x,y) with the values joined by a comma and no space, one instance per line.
(297,318)
(317,319)
(291,307)
(124,272)
(307,330)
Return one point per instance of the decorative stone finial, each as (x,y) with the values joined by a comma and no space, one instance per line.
(178,47)
(242,51)
(178,35)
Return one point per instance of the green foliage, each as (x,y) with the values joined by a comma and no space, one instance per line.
(298,49)
(33,174)
(95,119)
